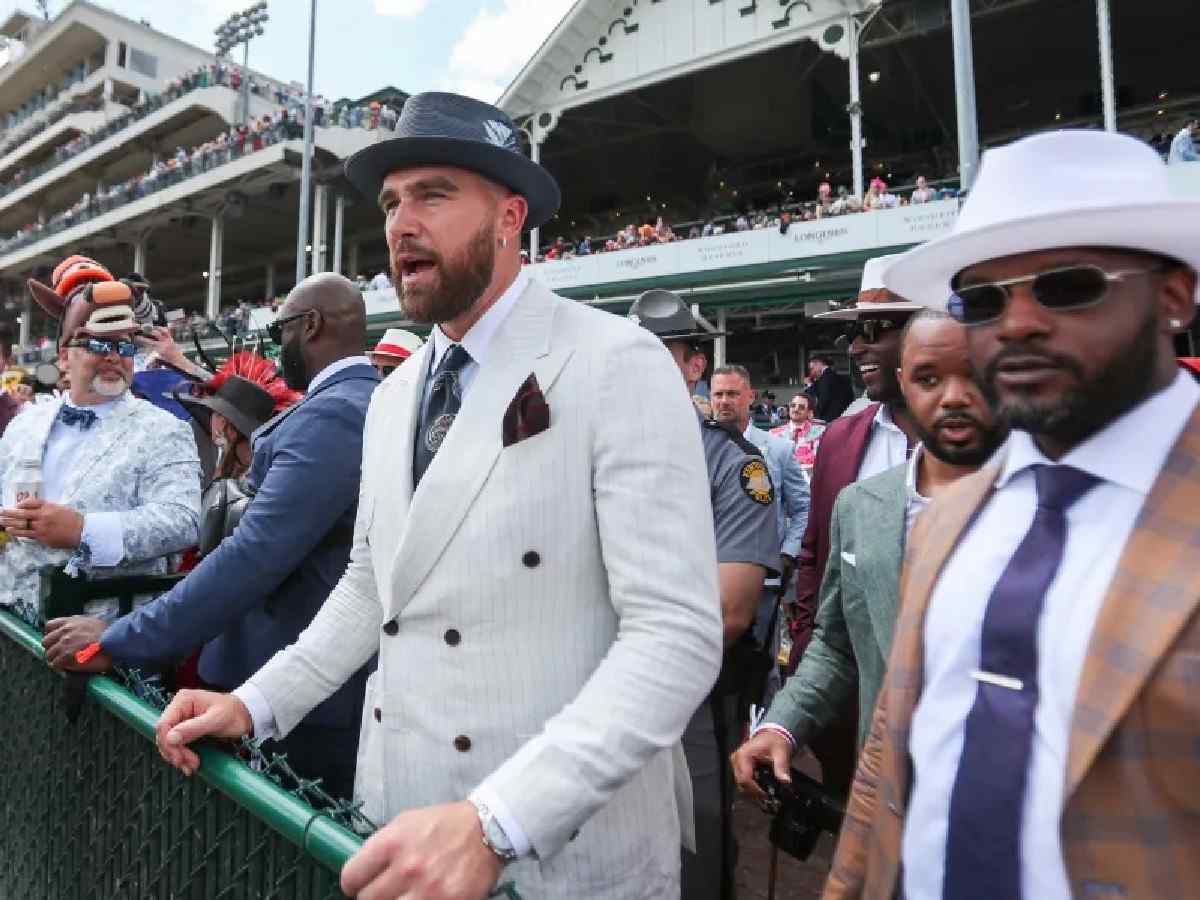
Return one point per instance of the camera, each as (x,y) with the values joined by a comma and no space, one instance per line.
(800,811)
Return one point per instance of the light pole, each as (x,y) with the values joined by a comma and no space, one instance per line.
(306,166)
(241,28)
(964,92)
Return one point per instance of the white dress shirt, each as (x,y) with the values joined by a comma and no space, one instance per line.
(478,338)
(102,531)
(887,447)
(914,501)
(476,342)
(1127,456)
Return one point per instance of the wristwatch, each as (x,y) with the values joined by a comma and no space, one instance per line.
(494,837)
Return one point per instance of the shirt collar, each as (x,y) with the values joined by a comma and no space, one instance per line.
(334,367)
(910,479)
(1129,452)
(883,418)
(479,336)
(100,409)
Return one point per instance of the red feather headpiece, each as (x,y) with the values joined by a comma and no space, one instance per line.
(259,370)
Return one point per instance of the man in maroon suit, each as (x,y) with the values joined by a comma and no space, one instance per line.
(853,447)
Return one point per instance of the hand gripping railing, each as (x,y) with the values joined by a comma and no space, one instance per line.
(89,810)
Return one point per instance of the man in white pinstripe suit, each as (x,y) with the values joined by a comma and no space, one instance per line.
(538,576)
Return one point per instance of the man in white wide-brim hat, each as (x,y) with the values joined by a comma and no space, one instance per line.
(868,442)
(1040,701)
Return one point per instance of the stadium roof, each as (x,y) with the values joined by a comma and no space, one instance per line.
(607,47)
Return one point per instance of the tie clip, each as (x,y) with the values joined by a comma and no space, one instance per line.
(1013,684)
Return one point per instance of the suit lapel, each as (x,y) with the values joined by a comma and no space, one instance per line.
(882,526)
(1154,594)
(109,431)
(401,410)
(461,467)
(934,538)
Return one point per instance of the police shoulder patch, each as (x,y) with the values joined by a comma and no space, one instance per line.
(756,482)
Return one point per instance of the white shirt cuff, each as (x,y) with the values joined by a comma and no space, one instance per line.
(513,831)
(105,537)
(261,713)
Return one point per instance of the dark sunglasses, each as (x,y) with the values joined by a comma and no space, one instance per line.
(275,329)
(872,330)
(125,349)
(1071,287)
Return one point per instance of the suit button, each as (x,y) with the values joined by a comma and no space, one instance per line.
(392,628)
(378,714)
(531,559)
(452,637)
(462,743)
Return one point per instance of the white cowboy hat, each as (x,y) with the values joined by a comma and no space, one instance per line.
(398,344)
(1051,191)
(870,301)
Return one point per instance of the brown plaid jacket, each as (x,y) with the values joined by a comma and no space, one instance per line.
(1131,814)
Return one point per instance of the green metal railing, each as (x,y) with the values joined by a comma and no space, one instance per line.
(89,810)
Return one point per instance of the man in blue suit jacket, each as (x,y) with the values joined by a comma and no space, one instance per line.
(732,395)
(260,588)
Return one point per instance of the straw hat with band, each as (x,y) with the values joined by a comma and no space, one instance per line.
(396,345)
(873,296)
(439,129)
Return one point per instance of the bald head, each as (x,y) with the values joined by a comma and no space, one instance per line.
(325,320)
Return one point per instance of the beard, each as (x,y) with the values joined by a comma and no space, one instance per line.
(107,387)
(459,284)
(1093,403)
(989,439)
(291,363)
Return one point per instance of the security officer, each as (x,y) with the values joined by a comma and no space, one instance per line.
(747,550)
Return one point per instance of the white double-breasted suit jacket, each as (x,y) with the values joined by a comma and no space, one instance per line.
(551,607)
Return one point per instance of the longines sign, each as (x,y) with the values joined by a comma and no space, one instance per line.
(844,234)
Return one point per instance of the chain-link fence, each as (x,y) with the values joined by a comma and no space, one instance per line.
(89,810)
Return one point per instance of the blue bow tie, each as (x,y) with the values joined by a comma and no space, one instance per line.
(74,417)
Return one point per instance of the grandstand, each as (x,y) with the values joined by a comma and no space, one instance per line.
(706,115)
(697,112)
(124,142)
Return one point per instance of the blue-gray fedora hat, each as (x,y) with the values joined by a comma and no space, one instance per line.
(438,129)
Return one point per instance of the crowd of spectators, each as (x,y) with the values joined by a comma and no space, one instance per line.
(231,144)
(290,100)
(826,205)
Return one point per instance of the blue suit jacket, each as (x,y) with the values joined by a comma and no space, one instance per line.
(260,588)
(791,487)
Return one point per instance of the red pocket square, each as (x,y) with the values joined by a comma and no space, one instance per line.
(527,415)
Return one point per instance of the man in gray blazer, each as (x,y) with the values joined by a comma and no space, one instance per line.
(538,577)
(871,520)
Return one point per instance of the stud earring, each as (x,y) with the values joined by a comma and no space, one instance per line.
(1176,323)
(503,242)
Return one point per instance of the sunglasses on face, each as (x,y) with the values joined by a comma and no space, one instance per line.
(125,349)
(1071,287)
(872,330)
(275,329)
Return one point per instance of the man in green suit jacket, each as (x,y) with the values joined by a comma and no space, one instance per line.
(871,520)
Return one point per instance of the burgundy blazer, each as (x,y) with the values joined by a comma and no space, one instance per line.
(843,447)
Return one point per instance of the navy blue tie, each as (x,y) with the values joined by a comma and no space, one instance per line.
(74,417)
(445,399)
(983,844)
